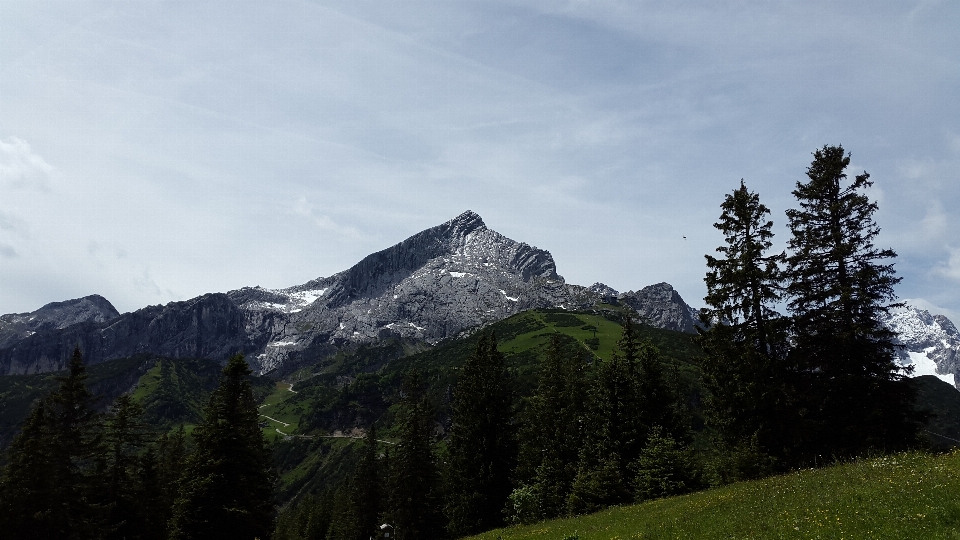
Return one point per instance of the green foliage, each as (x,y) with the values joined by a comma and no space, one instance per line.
(523,506)
(309,519)
(664,468)
(743,365)
(482,446)
(227,487)
(840,285)
(51,487)
(414,485)
(552,431)
(131,480)
(562,319)
(175,390)
(630,396)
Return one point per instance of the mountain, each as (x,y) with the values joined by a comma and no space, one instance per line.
(930,343)
(16,327)
(432,286)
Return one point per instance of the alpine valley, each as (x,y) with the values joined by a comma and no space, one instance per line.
(332,353)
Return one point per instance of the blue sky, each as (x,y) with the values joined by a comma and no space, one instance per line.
(155,151)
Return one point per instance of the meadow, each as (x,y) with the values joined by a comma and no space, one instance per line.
(901,496)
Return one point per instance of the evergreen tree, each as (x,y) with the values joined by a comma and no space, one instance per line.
(414,498)
(358,502)
(630,396)
(227,486)
(482,446)
(51,484)
(552,433)
(664,468)
(344,520)
(171,458)
(164,405)
(840,285)
(125,438)
(154,512)
(368,490)
(745,343)
(28,484)
(309,519)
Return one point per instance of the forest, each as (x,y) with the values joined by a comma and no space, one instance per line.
(775,392)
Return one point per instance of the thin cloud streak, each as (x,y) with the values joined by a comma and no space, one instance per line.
(202,139)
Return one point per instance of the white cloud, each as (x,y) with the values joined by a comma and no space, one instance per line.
(305,209)
(21,167)
(951,267)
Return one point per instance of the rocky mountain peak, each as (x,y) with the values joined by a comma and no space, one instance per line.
(930,343)
(660,305)
(436,284)
(54,316)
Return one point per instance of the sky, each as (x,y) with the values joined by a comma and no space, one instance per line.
(153,151)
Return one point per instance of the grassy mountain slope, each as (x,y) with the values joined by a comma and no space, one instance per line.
(341,398)
(902,496)
(109,380)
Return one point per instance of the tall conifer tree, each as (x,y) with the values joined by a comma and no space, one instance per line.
(840,285)
(744,343)
(227,486)
(553,434)
(482,445)
(414,487)
(629,397)
(125,438)
(51,480)
(28,485)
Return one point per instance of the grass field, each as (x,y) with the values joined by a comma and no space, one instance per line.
(278,412)
(896,497)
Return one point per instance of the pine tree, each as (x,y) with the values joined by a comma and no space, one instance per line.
(344,520)
(125,438)
(51,485)
(367,481)
(28,485)
(664,468)
(227,486)
(482,446)
(629,397)
(552,433)
(612,420)
(154,512)
(840,285)
(171,458)
(744,344)
(358,502)
(414,487)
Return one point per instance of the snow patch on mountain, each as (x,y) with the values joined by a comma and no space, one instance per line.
(930,342)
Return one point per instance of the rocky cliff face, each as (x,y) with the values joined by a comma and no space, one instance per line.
(930,343)
(209,326)
(433,285)
(661,306)
(16,327)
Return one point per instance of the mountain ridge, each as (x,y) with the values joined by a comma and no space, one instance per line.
(431,286)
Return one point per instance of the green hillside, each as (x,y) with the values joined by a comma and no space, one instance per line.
(360,387)
(901,496)
(108,380)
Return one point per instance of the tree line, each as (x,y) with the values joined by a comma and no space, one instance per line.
(821,382)
(74,473)
(779,391)
(595,433)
